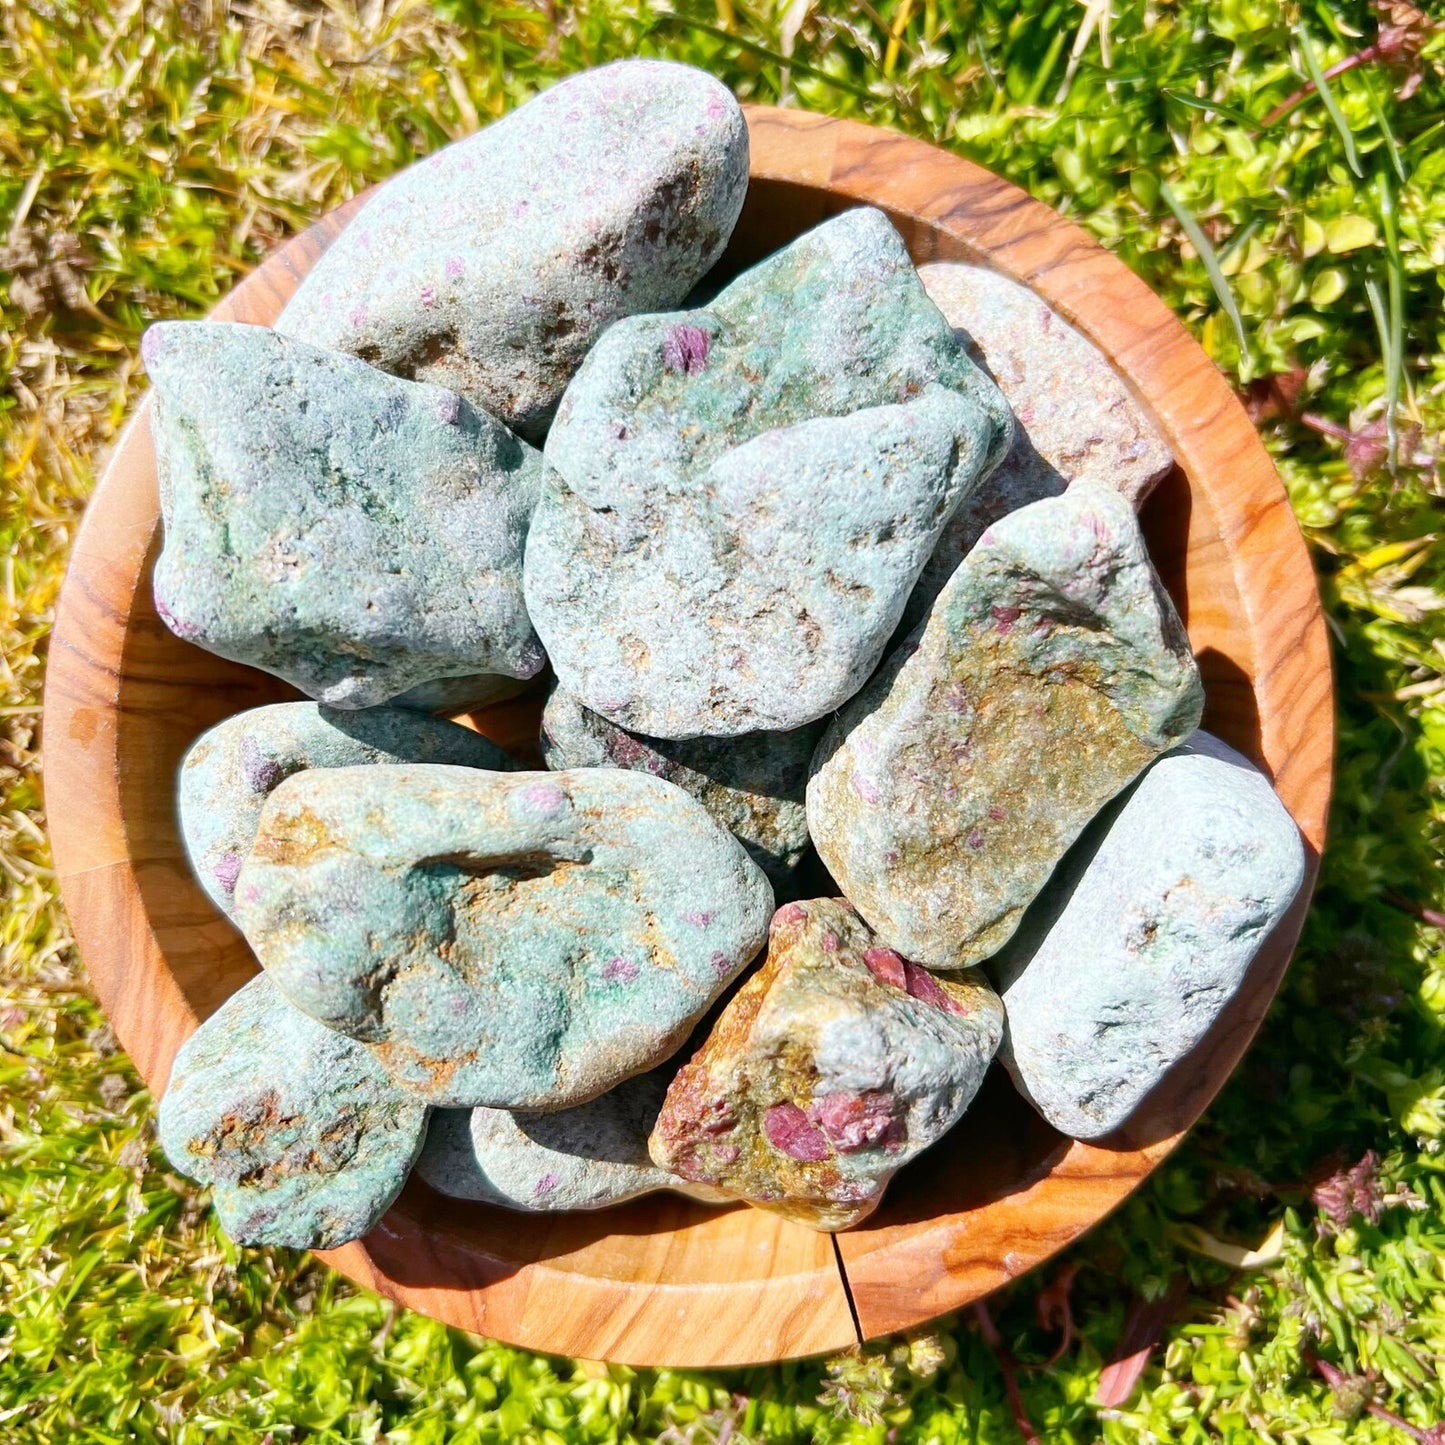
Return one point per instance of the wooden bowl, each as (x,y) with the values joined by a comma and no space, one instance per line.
(664,1281)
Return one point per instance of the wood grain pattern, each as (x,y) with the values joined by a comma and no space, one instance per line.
(663,1281)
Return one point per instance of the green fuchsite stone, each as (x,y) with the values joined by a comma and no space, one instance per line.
(301,1134)
(1051,670)
(356,534)
(493,265)
(587,1157)
(1077,420)
(834,1065)
(513,940)
(739,498)
(230,771)
(753,785)
(1145,935)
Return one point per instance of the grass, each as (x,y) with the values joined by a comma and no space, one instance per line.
(1283,1277)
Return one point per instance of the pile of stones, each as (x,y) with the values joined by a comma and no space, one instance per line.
(837,578)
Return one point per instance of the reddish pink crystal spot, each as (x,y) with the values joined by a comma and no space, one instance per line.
(227,871)
(619,970)
(926,989)
(864,788)
(455,268)
(996,813)
(722,965)
(975,840)
(625,750)
(263,773)
(182,629)
(886,966)
(856,1121)
(545,1185)
(698,920)
(685,349)
(830,942)
(789,913)
(789,1130)
(717,1117)
(545,797)
(1005,617)
(428,295)
(726,1153)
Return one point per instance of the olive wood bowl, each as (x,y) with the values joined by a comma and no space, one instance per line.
(663,1280)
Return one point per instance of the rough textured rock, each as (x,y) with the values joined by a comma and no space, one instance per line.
(492,266)
(1145,935)
(739,498)
(834,1065)
(583,1158)
(356,534)
(299,1131)
(1051,670)
(231,770)
(752,785)
(515,940)
(1077,419)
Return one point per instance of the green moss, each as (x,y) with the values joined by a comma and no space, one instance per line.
(150,155)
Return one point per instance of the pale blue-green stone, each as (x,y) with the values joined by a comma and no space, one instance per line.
(514,940)
(231,770)
(358,535)
(740,498)
(588,1157)
(303,1138)
(1145,935)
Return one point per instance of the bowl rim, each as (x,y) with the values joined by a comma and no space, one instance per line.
(697,1298)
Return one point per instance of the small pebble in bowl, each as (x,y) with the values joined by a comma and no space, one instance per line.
(514,940)
(833,1066)
(753,785)
(356,534)
(1145,935)
(1049,672)
(588,1157)
(299,1131)
(230,771)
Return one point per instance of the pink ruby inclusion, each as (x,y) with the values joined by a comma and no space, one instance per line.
(789,1130)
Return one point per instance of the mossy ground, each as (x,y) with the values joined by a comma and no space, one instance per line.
(1286,1270)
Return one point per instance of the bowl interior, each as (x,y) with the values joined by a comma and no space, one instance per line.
(663,1280)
